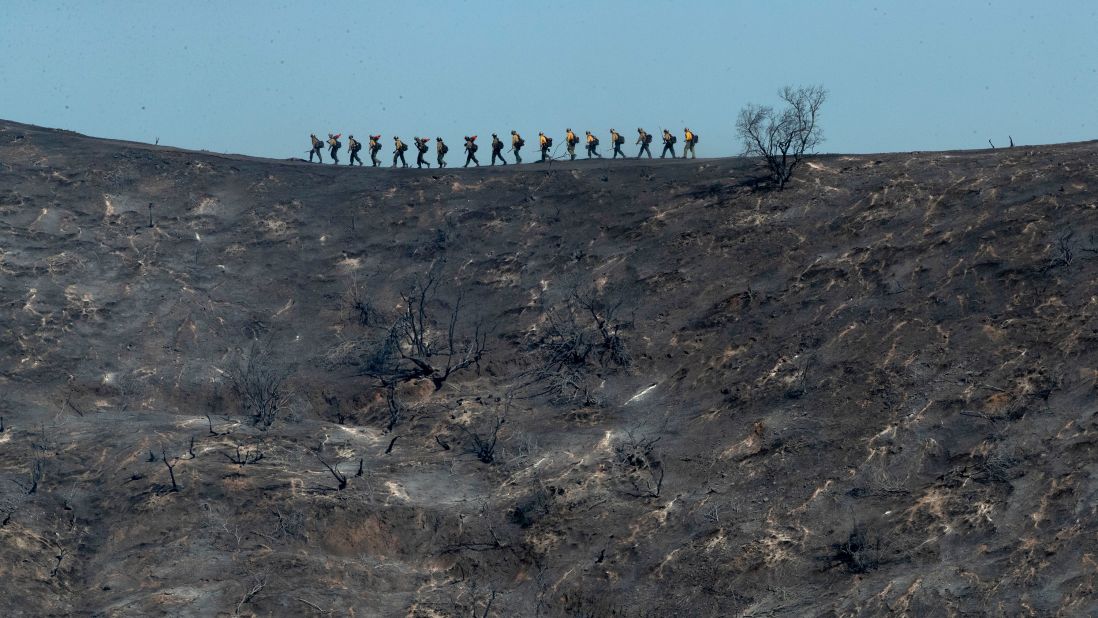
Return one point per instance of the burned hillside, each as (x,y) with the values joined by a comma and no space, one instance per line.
(615,388)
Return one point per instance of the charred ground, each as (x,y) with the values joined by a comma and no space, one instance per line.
(593,389)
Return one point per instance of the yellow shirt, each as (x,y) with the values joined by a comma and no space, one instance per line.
(544,140)
(571,137)
(689,136)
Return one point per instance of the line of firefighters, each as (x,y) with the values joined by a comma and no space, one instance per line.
(545,143)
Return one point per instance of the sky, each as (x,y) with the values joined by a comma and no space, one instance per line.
(258,77)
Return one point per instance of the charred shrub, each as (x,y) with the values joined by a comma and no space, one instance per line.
(259,385)
(857,554)
(482,443)
(579,336)
(532,508)
(639,465)
(424,342)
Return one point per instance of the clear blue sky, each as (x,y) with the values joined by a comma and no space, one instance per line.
(258,77)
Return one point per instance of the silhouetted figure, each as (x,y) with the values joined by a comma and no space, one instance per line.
(644,139)
(353,146)
(668,144)
(375,147)
(399,148)
(592,146)
(516,145)
(570,141)
(617,140)
(470,150)
(497,150)
(421,148)
(333,147)
(545,142)
(688,146)
(441,148)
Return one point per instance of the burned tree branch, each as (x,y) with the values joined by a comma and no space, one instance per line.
(340,478)
(171,467)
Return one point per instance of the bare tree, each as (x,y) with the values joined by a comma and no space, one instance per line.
(171,467)
(783,139)
(420,346)
(260,386)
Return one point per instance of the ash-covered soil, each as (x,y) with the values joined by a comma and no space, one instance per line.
(872,393)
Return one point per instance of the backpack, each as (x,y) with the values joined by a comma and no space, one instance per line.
(520,143)
(673,139)
(695,140)
(422,147)
(620,140)
(548,142)
(595,142)
(445,149)
(338,145)
(472,147)
(403,146)
(647,138)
